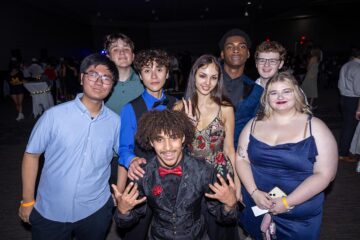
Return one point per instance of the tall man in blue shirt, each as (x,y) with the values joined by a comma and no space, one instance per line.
(78,138)
(153,68)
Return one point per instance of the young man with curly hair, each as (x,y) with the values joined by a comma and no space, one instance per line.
(174,184)
(153,68)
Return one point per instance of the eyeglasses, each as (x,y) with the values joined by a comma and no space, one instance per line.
(287,92)
(271,61)
(94,76)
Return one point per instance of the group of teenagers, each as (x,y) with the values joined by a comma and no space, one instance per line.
(179,176)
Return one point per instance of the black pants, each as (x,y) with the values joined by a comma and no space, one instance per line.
(93,227)
(349,123)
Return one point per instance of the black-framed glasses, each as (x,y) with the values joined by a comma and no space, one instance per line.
(271,61)
(94,76)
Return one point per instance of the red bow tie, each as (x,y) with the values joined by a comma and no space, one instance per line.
(163,171)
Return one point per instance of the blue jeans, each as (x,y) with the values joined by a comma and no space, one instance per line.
(93,227)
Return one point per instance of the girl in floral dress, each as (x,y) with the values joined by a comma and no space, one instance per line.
(213,115)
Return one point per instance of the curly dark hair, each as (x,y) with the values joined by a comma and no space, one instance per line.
(170,122)
(147,57)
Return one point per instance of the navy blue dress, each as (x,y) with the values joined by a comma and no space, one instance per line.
(285,166)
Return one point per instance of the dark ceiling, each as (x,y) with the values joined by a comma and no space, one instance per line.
(91,11)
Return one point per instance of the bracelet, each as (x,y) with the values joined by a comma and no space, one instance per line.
(28,204)
(252,193)
(284,201)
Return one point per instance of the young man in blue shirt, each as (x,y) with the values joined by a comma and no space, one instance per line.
(153,68)
(78,139)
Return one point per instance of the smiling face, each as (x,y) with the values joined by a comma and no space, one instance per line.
(168,149)
(121,53)
(96,90)
(206,79)
(268,64)
(235,52)
(154,77)
(281,96)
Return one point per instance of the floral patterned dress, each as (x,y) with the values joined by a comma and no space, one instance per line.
(208,144)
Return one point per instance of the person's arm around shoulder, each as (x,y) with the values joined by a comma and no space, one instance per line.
(29,170)
(324,172)
(126,144)
(261,199)
(178,106)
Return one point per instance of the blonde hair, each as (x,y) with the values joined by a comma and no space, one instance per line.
(301,104)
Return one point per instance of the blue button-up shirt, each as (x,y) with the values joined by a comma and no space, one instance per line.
(78,152)
(129,127)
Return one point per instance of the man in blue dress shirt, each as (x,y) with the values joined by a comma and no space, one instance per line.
(78,138)
(153,68)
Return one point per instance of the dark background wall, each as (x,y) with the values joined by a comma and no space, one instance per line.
(33,32)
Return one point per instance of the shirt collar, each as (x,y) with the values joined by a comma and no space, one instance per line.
(151,99)
(83,108)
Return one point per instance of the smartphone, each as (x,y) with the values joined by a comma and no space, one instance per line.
(276,193)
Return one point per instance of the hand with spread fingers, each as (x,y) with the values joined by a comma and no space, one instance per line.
(127,200)
(224,192)
(135,170)
(189,111)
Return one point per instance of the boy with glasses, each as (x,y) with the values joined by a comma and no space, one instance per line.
(78,139)
(269,59)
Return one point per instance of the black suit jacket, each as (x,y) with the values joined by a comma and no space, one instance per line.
(182,220)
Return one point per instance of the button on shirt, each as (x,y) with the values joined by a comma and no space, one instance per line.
(129,127)
(235,87)
(78,152)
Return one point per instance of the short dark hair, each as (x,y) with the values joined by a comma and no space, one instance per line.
(234,32)
(96,59)
(170,122)
(111,38)
(147,57)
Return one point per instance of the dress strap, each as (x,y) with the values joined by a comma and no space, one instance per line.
(253,126)
(308,123)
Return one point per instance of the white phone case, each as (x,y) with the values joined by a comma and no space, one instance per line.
(276,193)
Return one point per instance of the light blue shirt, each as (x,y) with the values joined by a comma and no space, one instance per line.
(78,152)
(129,127)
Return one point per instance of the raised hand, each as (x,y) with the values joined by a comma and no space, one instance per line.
(189,111)
(224,192)
(135,171)
(127,200)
